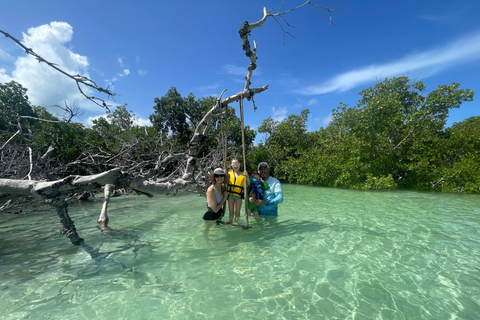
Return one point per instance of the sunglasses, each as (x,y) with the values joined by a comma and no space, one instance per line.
(236,165)
(218,175)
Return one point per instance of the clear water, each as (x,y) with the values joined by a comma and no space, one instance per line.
(331,254)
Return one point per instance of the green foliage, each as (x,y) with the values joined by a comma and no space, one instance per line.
(67,138)
(111,133)
(285,140)
(464,176)
(379,183)
(177,117)
(234,134)
(394,137)
(121,118)
(13,103)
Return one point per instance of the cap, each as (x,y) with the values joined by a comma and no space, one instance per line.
(263,164)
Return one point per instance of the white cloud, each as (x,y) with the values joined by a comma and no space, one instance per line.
(46,86)
(279,114)
(122,74)
(234,70)
(209,88)
(137,121)
(142,122)
(325,121)
(213,90)
(317,122)
(312,102)
(89,121)
(142,72)
(120,62)
(5,56)
(426,64)
(4,77)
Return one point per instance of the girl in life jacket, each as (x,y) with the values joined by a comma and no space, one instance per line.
(236,192)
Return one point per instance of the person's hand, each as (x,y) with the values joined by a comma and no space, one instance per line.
(246,174)
(255,202)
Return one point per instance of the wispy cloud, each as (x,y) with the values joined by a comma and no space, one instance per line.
(233,70)
(5,56)
(317,122)
(430,17)
(303,103)
(425,64)
(325,121)
(312,102)
(279,114)
(208,88)
(120,62)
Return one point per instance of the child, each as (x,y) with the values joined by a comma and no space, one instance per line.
(256,192)
(236,183)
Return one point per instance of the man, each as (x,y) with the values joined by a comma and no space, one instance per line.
(271,197)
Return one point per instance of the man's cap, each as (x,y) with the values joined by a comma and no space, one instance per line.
(263,164)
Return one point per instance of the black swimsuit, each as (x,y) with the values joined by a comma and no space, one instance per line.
(210,214)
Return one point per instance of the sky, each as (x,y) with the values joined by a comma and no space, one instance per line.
(140,49)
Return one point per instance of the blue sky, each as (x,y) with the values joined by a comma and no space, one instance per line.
(145,47)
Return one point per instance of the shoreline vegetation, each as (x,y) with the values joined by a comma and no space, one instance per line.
(395,137)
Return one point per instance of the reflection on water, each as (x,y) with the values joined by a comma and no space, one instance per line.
(330,254)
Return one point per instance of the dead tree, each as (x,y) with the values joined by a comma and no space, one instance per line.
(193,175)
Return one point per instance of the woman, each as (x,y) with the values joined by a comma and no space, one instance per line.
(236,184)
(216,197)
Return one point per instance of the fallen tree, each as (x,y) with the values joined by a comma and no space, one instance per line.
(191,172)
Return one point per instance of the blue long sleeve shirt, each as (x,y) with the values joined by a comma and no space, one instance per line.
(273,196)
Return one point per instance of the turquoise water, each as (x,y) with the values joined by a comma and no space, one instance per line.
(330,254)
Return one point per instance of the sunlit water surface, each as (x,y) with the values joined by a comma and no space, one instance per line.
(330,254)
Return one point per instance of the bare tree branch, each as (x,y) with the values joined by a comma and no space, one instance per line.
(70,112)
(77,78)
(10,139)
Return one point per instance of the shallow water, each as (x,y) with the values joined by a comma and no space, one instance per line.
(330,254)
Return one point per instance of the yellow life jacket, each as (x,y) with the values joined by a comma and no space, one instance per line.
(236,184)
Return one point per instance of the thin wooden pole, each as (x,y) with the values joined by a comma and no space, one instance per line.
(244,161)
(224,126)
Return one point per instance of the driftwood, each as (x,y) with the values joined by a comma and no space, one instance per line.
(57,192)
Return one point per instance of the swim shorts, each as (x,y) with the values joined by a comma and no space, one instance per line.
(210,215)
(252,207)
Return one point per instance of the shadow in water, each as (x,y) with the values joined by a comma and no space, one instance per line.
(134,243)
(268,229)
